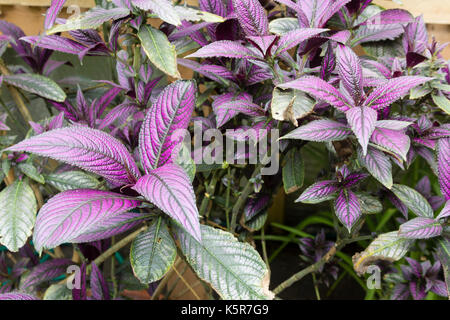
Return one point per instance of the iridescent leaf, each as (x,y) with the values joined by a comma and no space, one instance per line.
(420,228)
(413,200)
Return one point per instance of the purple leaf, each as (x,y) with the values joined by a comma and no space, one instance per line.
(52,13)
(162,8)
(295,37)
(415,38)
(391,16)
(45,271)
(170,189)
(255,205)
(214,6)
(376,33)
(80,293)
(3,126)
(219,74)
(263,43)
(347,207)
(56,43)
(320,131)
(378,165)
(392,141)
(445,212)
(393,90)
(99,287)
(362,121)
(413,200)
(319,192)
(393,124)
(252,17)
(83,215)
(443,161)
(353,178)
(413,59)
(89,149)
(318,12)
(17,296)
(420,228)
(16,33)
(224,48)
(172,110)
(118,113)
(229,105)
(320,90)
(350,71)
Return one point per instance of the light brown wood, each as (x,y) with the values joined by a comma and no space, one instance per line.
(46,3)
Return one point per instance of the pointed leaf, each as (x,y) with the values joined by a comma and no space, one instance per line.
(320,90)
(37,84)
(362,120)
(159,50)
(319,192)
(348,209)
(99,287)
(372,33)
(391,16)
(224,48)
(378,165)
(387,246)
(31,172)
(293,171)
(83,215)
(56,43)
(17,214)
(320,131)
(420,228)
(392,141)
(293,38)
(90,149)
(282,26)
(91,19)
(413,200)
(70,180)
(152,253)
(442,102)
(169,188)
(52,13)
(17,296)
(350,71)
(393,90)
(234,269)
(252,17)
(443,166)
(445,212)
(44,272)
(443,254)
(290,105)
(171,111)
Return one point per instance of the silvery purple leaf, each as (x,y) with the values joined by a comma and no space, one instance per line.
(443,166)
(217,73)
(3,126)
(393,90)
(224,48)
(320,131)
(255,205)
(120,113)
(162,8)
(318,12)
(420,228)
(445,212)
(90,149)
(229,105)
(353,178)
(413,59)
(263,43)
(79,293)
(171,111)
(56,43)
(378,32)
(341,36)
(347,207)
(45,271)
(392,141)
(169,188)
(320,90)
(350,71)
(214,6)
(99,286)
(362,121)
(83,215)
(87,37)
(17,296)
(415,38)
(295,37)
(52,13)
(378,165)
(252,17)
(319,192)
(391,16)
(23,49)
(393,124)
(398,204)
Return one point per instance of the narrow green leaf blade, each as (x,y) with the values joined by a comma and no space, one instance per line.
(293,171)
(37,84)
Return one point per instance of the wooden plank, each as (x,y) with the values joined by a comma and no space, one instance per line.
(46,3)
(434,11)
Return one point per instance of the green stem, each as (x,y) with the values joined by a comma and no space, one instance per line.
(316,288)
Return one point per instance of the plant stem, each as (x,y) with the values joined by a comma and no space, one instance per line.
(264,249)
(316,288)
(113,271)
(165,280)
(243,197)
(16,94)
(210,189)
(227,200)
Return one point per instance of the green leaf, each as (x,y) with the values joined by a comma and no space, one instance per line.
(17,214)
(283,25)
(91,19)
(387,246)
(419,92)
(70,180)
(293,171)
(185,161)
(58,292)
(159,50)
(31,172)
(441,86)
(257,222)
(234,269)
(37,84)
(190,14)
(442,102)
(152,253)
(369,204)
(413,200)
(290,105)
